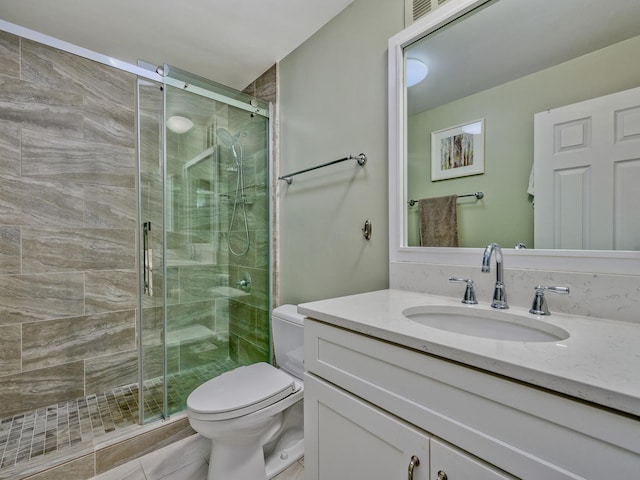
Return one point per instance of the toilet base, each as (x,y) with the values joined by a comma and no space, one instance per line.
(248,462)
(235,462)
(281,459)
(287,446)
(259,456)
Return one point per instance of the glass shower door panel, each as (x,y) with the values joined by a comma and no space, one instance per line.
(217,234)
(152,357)
(191,191)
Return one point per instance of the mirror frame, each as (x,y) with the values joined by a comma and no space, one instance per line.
(585,261)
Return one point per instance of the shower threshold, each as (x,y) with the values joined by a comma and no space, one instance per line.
(44,436)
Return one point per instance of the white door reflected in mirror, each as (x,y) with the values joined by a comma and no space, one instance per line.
(587,172)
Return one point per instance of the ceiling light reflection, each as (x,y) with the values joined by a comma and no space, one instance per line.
(179,124)
(417,71)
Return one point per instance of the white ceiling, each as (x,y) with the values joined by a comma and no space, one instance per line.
(229,41)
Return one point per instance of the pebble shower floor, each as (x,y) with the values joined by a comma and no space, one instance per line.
(65,425)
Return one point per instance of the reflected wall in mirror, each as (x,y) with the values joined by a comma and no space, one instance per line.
(505,61)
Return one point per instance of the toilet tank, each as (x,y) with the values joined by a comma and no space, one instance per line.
(287,328)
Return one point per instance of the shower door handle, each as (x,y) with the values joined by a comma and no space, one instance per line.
(147,262)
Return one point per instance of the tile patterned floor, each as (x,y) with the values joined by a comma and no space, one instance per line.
(34,434)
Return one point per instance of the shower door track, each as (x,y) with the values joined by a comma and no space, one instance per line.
(215,96)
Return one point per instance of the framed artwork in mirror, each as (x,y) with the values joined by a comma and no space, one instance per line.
(458,151)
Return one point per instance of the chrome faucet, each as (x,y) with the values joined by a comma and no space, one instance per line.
(499,292)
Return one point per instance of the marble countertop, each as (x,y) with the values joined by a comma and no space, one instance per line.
(599,362)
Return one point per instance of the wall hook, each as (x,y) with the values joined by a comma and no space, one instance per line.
(366,230)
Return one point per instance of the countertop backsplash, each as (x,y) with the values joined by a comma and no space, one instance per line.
(616,297)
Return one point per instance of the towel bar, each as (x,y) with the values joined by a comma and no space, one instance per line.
(478,196)
(361,158)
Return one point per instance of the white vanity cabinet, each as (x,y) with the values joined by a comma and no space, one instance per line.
(371,405)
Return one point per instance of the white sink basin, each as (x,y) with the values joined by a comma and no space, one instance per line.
(498,325)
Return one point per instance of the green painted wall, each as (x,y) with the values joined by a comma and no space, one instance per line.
(333,101)
(505,215)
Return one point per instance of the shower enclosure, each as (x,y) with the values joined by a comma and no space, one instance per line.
(204,236)
(134,255)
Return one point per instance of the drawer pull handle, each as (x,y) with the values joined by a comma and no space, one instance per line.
(441,475)
(415,461)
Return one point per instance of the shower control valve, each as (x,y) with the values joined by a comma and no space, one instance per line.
(245,282)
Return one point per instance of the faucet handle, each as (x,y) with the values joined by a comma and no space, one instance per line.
(539,306)
(469,292)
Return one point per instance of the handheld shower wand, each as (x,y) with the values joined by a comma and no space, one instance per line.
(231,141)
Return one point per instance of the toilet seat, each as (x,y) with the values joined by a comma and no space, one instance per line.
(240,392)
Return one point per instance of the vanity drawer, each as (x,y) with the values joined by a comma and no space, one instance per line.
(523,430)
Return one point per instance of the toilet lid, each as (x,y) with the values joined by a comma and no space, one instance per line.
(241,391)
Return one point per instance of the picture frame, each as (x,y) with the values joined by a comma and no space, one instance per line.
(458,151)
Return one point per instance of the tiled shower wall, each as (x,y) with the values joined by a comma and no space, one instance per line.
(68,283)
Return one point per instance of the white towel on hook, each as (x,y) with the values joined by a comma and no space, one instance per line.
(531,188)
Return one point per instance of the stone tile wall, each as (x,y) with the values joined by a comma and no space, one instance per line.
(68,283)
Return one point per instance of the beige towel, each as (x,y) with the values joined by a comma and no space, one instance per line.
(439,221)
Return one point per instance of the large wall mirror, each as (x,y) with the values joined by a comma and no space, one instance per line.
(510,82)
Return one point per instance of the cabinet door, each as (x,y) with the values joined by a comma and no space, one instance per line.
(450,463)
(347,438)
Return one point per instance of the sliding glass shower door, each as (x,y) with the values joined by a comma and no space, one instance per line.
(204,236)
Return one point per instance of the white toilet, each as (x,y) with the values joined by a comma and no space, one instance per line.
(253,415)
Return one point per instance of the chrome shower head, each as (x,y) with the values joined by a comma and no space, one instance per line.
(228,140)
(225,137)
